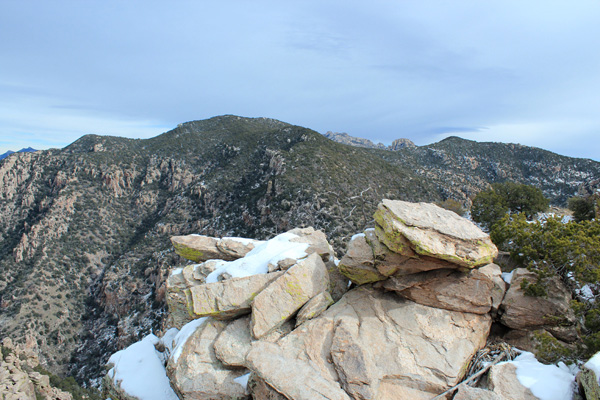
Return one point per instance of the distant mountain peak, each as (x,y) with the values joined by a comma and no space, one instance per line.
(344,138)
(24,150)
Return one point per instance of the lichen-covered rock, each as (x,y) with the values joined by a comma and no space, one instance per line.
(426,229)
(521,311)
(227,299)
(368,260)
(201,248)
(287,294)
(197,373)
(588,383)
(358,264)
(317,243)
(372,345)
(449,289)
(314,307)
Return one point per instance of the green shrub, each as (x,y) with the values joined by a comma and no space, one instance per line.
(489,206)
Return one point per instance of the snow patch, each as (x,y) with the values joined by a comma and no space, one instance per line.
(594,364)
(507,276)
(176,271)
(139,371)
(258,259)
(244,241)
(183,335)
(547,382)
(243,380)
(358,235)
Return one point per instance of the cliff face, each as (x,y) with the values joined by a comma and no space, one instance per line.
(84,249)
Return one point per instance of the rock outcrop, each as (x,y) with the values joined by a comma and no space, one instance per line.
(524,312)
(423,306)
(19,379)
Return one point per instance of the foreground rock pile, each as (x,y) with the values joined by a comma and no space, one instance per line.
(275,320)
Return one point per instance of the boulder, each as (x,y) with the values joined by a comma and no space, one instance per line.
(426,229)
(287,294)
(195,371)
(227,299)
(502,380)
(465,392)
(201,248)
(235,341)
(449,289)
(317,243)
(314,307)
(494,273)
(587,382)
(178,295)
(368,260)
(541,343)
(524,312)
(262,391)
(372,345)
(358,264)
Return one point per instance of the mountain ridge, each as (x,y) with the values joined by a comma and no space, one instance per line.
(93,220)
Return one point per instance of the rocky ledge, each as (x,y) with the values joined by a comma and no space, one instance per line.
(400,316)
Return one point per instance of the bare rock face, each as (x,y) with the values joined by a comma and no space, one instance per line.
(532,312)
(502,380)
(358,264)
(198,374)
(471,393)
(229,298)
(287,294)
(426,229)
(448,289)
(201,248)
(494,273)
(371,345)
(317,241)
(314,307)
(234,343)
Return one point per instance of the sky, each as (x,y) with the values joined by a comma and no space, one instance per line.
(505,71)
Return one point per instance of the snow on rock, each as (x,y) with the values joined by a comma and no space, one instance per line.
(507,276)
(243,380)
(258,259)
(139,371)
(183,335)
(547,382)
(357,236)
(594,364)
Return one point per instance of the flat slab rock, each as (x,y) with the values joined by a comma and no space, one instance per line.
(371,345)
(201,248)
(281,299)
(471,291)
(427,229)
(227,299)
(197,373)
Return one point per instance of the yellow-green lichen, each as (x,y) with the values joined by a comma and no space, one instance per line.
(360,276)
(188,253)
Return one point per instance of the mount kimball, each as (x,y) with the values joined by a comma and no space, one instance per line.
(84,244)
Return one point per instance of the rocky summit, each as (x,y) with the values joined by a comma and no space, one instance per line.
(399,317)
(85,255)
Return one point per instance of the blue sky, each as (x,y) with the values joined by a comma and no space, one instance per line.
(508,71)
